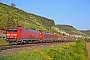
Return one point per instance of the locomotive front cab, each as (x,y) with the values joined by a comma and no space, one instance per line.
(12,34)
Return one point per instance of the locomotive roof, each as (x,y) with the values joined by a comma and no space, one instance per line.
(14,26)
(31,30)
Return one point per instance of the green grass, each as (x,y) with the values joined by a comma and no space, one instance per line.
(70,51)
(24,56)
(3,41)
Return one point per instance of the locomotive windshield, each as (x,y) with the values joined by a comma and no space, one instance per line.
(12,30)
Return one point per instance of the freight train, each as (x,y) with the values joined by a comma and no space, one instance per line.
(20,34)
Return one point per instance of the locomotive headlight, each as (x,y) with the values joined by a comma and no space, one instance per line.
(8,34)
(15,34)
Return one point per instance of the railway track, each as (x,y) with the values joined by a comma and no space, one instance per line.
(15,46)
(5,47)
(15,49)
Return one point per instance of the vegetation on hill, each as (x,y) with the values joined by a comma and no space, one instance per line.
(70,29)
(13,16)
(85,32)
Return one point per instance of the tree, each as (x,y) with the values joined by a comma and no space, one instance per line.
(13,5)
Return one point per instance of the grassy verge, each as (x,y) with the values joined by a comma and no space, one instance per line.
(72,51)
(3,41)
(87,40)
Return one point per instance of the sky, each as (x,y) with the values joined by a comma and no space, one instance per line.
(68,12)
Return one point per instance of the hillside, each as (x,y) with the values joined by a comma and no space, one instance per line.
(85,32)
(69,31)
(16,17)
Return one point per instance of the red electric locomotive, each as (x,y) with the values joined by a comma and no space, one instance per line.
(21,35)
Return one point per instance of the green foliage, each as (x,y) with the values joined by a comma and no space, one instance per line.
(24,56)
(47,22)
(69,52)
(87,39)
(3,41)
(86,32)
(52,29)
(80,41)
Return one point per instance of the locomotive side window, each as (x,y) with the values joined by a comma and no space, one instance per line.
(20,30)
(12,30)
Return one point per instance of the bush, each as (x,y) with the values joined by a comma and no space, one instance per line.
(3,41)
(74,51)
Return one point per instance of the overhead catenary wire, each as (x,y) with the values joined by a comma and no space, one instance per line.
(37,8)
